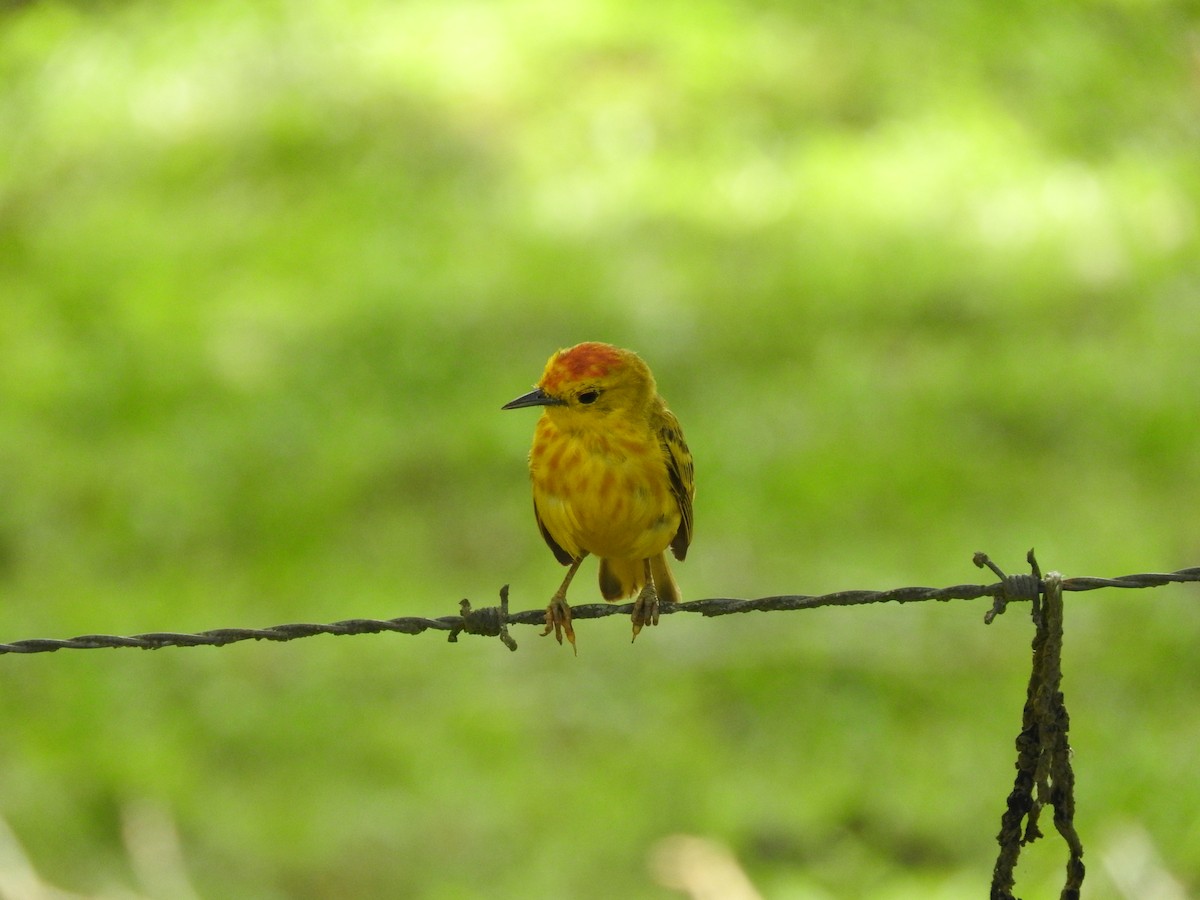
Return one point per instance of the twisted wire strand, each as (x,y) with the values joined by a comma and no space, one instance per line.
(1145,580)
(493,621)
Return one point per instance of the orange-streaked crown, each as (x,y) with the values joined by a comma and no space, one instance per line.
(591,360)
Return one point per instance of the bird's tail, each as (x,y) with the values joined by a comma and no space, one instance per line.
(621,578)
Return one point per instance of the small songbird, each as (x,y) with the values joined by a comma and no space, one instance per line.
(612,476)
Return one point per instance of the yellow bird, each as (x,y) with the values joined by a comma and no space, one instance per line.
(612,476)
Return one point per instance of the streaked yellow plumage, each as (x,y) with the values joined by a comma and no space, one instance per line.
(612,476)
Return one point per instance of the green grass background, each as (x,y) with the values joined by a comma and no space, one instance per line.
(918,280)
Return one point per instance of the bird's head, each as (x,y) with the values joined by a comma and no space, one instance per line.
(591,379)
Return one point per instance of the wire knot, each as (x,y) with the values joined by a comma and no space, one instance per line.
(1022,587)
(488,621)
(1012,587)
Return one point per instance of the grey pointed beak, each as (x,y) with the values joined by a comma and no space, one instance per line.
(536,397)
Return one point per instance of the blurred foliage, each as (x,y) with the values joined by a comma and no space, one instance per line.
(918,280)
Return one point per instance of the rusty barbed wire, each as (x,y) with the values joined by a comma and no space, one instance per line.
(493,621)
(1044,773)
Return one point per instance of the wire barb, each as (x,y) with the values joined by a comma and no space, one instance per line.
(489,621)
(1015,587)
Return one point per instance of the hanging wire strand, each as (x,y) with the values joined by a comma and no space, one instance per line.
(1044,774)
(493,621)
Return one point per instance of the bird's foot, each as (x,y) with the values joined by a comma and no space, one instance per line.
(558,620)
(645,609)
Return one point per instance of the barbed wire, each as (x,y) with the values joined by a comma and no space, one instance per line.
(1044,774)
(493,621)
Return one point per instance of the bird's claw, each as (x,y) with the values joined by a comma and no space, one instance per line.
(645,609)
(558,620)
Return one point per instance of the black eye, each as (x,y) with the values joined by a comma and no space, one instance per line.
(589,396)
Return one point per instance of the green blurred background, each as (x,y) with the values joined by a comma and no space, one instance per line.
(918,280)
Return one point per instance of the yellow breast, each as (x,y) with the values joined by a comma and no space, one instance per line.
(603,491)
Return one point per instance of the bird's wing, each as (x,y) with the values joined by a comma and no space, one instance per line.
(683,479)
(560,554)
